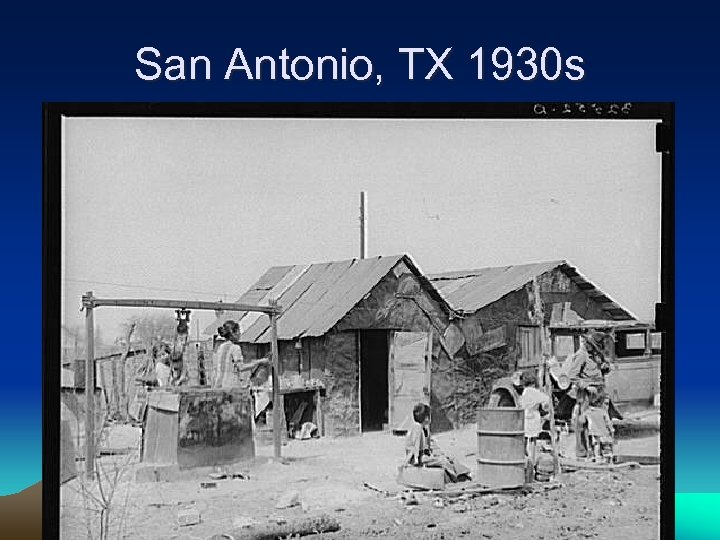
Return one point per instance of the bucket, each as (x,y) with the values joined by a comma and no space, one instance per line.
(501,447)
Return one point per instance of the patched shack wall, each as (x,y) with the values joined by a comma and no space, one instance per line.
(400,302)
(557,287)
(491,349)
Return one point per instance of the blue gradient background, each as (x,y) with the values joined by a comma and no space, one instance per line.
(51,54)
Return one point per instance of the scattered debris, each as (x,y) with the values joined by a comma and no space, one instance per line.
(410,498)
(243,522)
(160,505)
(473,490)
(371,487)
(549,486)
(188,516)
(288,500)
(290,529)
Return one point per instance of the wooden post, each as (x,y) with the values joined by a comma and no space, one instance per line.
(123,398)
(551,412)
(277,413)
(89,388)
(455,390)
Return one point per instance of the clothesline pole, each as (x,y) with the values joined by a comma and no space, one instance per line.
(89,388)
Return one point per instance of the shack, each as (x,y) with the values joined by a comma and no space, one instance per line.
(505,315)
(360,342)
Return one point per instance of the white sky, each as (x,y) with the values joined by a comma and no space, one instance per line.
(200,208)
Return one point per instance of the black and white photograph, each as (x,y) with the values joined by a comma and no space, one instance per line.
(345,326)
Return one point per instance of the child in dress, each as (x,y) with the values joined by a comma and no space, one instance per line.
(535,403)
(600,429)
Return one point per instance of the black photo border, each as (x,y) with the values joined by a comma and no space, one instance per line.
(53,113)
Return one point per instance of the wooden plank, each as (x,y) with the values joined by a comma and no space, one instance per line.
(571,464)
(642,460)
(175,304)
(492,339)
(301,526)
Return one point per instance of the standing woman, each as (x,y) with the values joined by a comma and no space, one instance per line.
(228,362)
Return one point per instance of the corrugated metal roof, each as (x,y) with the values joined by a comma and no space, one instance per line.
(469,290)
(313,297)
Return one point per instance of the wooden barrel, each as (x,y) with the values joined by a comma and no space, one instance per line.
(501,447)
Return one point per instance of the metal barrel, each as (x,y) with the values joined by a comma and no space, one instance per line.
(501,447)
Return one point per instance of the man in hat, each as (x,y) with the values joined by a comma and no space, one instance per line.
(587,371)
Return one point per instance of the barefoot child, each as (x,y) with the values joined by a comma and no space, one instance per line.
(421,450)
(600,429)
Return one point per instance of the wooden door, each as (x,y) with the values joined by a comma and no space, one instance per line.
(409,379)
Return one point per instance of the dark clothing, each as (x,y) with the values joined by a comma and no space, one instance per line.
(586,367)
(585,396)
(587,373)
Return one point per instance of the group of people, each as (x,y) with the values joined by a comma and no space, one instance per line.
(229,367)
(593,427)
(594,431)
(588,367)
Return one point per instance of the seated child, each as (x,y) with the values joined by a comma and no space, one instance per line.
(421,450)
(600,429)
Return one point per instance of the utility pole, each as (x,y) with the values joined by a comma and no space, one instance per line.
(363,225)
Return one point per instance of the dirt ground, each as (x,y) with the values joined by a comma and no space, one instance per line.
(327,475)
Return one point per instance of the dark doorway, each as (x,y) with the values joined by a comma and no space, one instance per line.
(374,379)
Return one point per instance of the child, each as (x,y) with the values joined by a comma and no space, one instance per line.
(422,451)
(417,444)
(163,372)
(533,401)
(600,429)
